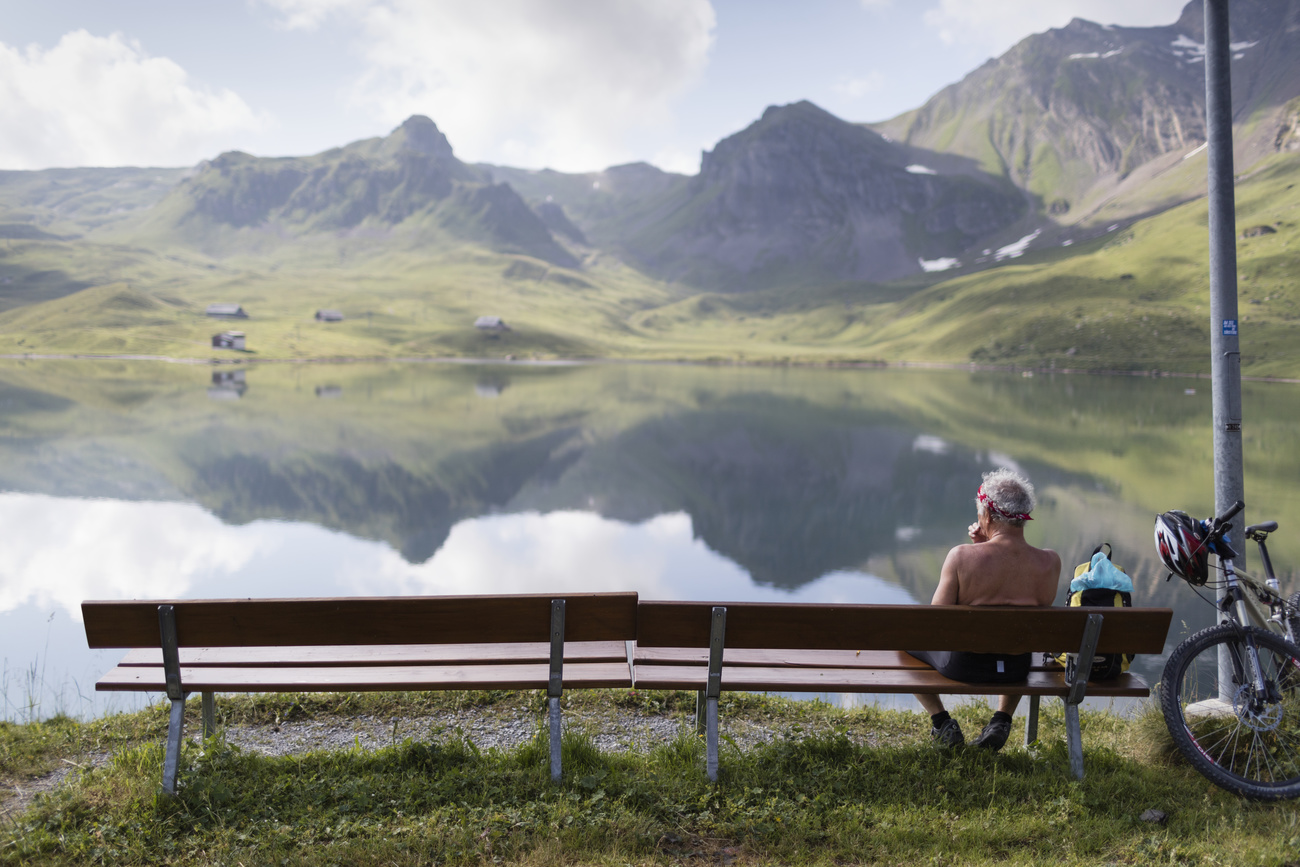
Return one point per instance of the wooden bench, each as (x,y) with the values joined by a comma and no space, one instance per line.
(547,641)
(773,647)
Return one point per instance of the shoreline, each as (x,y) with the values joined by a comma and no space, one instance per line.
(578,362)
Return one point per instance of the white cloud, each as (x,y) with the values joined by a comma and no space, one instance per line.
(101,101)
(531,83)
(308,14)
(60,551)
(680,161)
(858,87)
(996,25)
(582,552)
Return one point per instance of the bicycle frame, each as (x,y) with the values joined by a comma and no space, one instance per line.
(1277,604)
(1241,619)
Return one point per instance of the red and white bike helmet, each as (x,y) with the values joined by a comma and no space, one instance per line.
(1180,542)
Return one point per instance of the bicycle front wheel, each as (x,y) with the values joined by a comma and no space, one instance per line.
(1241,738)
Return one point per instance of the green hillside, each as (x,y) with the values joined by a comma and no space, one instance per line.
(1139,299)
(1136,299)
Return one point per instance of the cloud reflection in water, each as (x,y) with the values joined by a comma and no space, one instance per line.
(58,552)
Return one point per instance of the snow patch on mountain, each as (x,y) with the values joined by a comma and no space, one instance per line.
(1096,55)
(1016,250)
(1191,51)
(938,264)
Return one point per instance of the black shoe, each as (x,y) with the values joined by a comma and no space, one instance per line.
(949,734)
(995,734)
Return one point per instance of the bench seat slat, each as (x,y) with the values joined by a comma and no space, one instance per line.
(368,620)
(779,658)
(393,654)
(895,680)
(795,658)
(598,675)
(764,625)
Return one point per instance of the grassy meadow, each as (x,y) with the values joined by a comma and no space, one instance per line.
(1134,299)
(832,787)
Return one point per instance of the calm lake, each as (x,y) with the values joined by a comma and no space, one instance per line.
(145,480)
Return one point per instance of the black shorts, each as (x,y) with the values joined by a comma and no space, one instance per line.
(977,667)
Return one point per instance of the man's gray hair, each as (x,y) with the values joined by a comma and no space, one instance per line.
(1010,492)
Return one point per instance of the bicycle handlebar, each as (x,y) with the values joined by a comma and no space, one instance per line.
(1231,513)
(1219,526)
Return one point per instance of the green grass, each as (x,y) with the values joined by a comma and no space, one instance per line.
(1136,299)
(815,795)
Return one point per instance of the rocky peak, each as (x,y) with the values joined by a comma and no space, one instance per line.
(420,134)
(802,192)
(797,139)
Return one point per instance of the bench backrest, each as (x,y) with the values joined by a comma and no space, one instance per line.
(361,621)
(790,626)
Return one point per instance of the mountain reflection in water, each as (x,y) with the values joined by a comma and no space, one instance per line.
(128,480)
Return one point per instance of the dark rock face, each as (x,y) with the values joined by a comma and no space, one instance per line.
(495,210)
(559,223)
(386,181)
(240,190)
(802,191)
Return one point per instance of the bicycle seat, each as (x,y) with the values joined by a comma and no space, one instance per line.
(1262,529)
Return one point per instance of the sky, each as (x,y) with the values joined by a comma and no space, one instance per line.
(573,85)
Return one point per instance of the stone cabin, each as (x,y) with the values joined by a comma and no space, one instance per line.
(228,340)
(491,323)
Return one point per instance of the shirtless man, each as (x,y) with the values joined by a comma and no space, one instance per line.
(1000,568)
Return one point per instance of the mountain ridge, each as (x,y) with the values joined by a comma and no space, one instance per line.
(1093,103)
(410,175)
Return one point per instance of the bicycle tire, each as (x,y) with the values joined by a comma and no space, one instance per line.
(1247,747)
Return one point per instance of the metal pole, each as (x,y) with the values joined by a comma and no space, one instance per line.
(1225,349)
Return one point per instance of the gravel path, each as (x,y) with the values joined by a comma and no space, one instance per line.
(611,730)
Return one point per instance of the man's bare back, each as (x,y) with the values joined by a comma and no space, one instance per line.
(1001,569)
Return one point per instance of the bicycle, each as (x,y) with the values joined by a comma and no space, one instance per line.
(1230,694)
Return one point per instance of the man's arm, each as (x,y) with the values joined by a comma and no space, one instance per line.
(1048,593)
(946,592)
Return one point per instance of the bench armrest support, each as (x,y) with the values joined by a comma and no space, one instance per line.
(1076,674)
(170,651)
(717,640)
(555,685)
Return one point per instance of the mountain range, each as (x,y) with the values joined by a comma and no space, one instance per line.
(1070,136)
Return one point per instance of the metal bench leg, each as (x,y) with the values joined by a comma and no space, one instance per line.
(1076,676)
(1031,721)
(172,760)
(209,715)
(176,693)
(557,732)
(1074,739)
(711,740)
